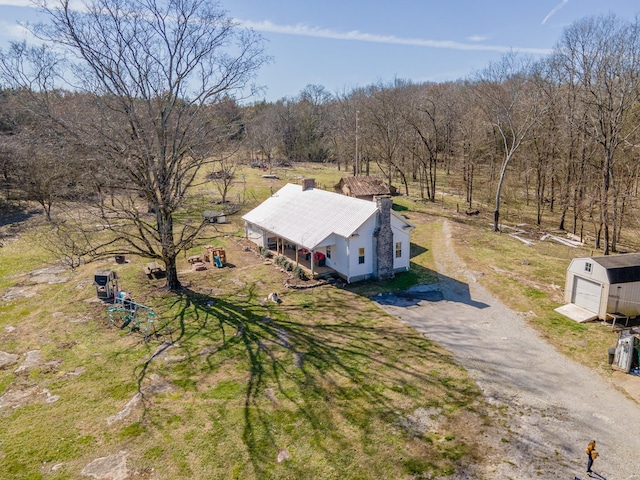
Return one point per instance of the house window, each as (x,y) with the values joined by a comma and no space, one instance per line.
(587,267)
(328,252)
(398,249)
(361,255)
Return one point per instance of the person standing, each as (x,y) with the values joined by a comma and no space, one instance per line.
(591,454)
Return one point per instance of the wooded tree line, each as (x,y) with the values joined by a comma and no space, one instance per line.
(136,98)
(561,131)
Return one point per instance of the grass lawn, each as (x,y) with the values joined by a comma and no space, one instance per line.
(323,385)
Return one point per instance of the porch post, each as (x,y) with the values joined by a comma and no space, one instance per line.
(312,253)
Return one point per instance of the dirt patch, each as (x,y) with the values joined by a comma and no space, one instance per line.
(12,293)
(21,397)
(31,360)
(112,467)
(28,286)
(126,411)
(8,359)
(49,275)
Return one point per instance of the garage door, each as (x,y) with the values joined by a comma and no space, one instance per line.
(586,294)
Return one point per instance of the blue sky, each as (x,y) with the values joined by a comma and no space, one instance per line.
(346,44)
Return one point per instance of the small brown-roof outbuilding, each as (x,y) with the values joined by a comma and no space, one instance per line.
(364,188)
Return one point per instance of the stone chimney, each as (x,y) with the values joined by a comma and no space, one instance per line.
(383,263)
(308,184)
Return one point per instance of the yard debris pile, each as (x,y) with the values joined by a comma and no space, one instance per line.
(520,232)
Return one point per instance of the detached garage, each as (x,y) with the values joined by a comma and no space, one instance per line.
(597,286)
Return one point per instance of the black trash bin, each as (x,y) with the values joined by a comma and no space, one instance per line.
(612,355)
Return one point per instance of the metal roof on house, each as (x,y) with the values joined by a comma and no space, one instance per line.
(308,217)
(622,268)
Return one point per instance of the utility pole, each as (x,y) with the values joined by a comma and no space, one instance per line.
(356,165)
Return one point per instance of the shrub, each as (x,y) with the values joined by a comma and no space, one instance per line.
(299,272)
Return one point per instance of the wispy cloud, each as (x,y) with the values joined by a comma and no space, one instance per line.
(477,38)
(75,4)
(355,35)
(553,12)
(16,3)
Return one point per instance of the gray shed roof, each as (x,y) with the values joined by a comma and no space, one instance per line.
(308,217)
(622,268)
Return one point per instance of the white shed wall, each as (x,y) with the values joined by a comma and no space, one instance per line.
(597,274)
(623,298)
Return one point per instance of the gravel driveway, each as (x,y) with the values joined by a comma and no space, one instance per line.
(551,406)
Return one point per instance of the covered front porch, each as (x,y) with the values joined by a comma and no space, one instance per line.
(312,262)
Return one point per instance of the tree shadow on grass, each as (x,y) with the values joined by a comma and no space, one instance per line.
(11,214)
(329,377)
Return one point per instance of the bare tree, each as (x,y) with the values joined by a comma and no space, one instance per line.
(513,104)
(425,117)
(342,131)
(601,57)
(473,139)
(384,130)
(262,132)
(225,166)
(152,69)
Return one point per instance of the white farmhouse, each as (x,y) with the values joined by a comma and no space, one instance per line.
(358,239)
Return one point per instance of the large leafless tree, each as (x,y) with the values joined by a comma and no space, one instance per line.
(153,68)
(513,104)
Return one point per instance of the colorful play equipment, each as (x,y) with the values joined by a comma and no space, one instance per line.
(215,255)
(125,313)
(106,282)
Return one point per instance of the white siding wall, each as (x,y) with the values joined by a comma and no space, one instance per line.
(355,270)
(254,234)
(400,235)
(339,257)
